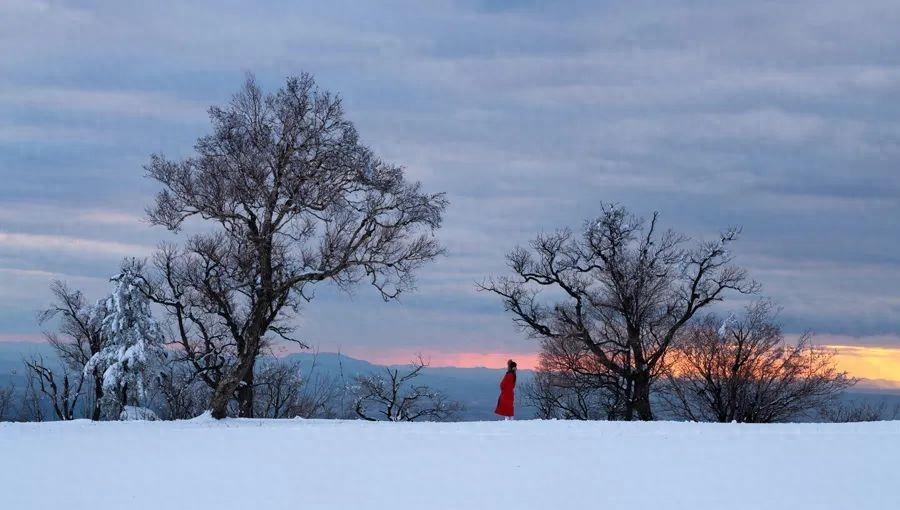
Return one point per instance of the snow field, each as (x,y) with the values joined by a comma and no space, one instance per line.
(312,464)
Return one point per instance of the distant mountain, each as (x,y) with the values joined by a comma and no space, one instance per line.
(877,386)
(476,388)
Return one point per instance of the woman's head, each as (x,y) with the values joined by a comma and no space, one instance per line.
(511,366)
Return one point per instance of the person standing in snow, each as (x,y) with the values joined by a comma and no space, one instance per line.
(506,402)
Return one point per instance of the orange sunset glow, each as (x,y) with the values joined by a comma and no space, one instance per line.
(878,367)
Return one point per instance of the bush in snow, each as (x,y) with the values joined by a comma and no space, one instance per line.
(135,413)
(133,348)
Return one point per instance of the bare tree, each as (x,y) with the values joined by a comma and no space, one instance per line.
(79,337)
(570,384)
(626,291)
(744,370)
(393,397)
(30,408)
(296,199)
(320,397)
(284,391)
(278,387)
(62,389)
(7,401)
(180,393)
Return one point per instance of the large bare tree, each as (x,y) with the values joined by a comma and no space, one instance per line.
(289,197)
(744,370)
(622,288)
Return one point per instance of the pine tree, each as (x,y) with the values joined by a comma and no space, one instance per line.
(133,350)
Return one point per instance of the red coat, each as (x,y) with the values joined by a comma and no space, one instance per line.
(506,402)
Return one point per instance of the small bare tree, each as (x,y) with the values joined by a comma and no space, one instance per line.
(570,384)
(7,401)
(622,288)
(744,370)
(61,388)
(180,393)
(30,407)
(79,337)
(285,390)
(295,199)
(279,389)
(393,397)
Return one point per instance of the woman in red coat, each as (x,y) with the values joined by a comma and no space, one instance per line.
(506,402)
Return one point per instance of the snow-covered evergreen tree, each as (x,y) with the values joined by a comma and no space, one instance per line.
(133,350)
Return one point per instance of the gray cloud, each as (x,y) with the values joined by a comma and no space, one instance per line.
(781,117)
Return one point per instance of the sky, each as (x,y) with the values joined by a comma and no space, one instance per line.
(780,117)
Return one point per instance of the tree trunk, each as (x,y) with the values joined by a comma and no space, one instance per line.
(98,396)
(628,415)
(641,399)
(245,395)
(219,403)
(232,384)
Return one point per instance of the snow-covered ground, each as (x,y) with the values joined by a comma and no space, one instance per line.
(258,464)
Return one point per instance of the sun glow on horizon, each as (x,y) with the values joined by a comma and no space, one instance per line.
(876,366)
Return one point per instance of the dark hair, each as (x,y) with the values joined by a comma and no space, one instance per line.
(510,365)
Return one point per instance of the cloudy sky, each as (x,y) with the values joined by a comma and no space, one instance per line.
(781,117)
